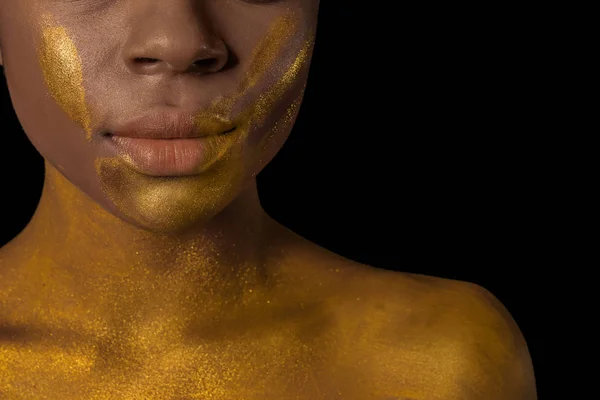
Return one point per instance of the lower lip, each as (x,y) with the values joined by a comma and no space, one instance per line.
(162,157)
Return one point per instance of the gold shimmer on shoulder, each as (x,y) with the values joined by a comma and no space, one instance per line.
(61,66)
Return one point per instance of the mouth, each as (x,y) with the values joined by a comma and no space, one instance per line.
(111,134)
(169,156)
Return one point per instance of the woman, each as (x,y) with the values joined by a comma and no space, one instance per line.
(151,271)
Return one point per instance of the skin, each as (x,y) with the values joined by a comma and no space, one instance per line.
(129,286)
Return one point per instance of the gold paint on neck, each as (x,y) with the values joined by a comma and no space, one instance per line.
(62,71)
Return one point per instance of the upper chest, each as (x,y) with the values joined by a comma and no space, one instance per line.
(242,370)
(360,343)
(277,367)
(281,358)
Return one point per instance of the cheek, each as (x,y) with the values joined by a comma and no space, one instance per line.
(278,73)
(62,71)
(276,111)
(280,120)
(45,81)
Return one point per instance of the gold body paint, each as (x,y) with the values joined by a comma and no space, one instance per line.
(61,67)
(120,336)
(150,348)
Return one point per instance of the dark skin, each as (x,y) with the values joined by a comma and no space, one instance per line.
(145,287)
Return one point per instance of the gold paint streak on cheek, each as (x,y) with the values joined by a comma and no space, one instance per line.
(63,73)
(280,35)
(282,125)
(267,101)
(256,114)
(262,60)
(265,54)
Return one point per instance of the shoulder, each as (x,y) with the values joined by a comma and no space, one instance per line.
(497,363)
(443,337)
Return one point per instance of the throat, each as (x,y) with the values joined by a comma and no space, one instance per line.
(77,249)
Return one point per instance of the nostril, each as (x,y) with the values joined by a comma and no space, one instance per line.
(202,65)
(145,60)
(206,63)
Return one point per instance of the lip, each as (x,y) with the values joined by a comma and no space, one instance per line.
(166,143)
(170,157)
(163,124)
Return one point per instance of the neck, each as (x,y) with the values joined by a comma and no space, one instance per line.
(221,261)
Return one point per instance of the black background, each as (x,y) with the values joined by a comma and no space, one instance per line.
(417,148)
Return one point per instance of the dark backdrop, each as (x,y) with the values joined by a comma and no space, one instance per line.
(416,149)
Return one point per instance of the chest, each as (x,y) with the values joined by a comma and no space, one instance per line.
(51,365)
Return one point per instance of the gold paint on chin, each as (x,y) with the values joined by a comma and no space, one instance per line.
(166,204)
(63,74)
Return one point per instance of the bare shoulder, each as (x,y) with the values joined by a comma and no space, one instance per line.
(411,336)
(437,338)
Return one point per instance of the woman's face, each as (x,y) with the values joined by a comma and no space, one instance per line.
(79,71)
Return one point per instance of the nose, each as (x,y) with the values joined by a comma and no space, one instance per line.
(173,37)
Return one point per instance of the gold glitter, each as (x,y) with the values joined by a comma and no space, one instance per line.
(165,203)
(61,67)
(263,58)
(266,101)
(85,316)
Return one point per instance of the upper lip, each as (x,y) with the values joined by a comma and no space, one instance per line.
(167,125)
